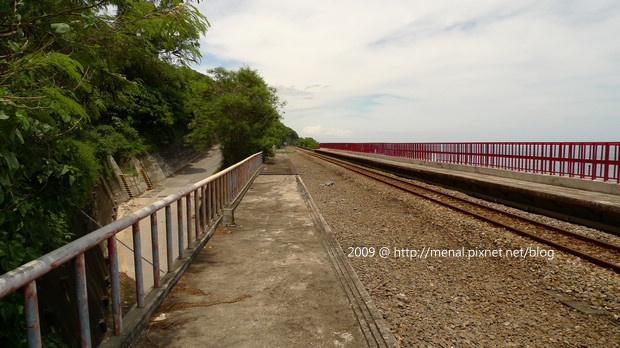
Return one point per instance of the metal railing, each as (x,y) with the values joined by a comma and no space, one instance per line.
(210,197)
(585,160)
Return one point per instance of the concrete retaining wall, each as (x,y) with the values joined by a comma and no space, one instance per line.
(157,166)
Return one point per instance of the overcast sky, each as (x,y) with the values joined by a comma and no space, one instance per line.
(410,71)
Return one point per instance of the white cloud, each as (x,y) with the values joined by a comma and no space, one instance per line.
(397,70)
(320,130)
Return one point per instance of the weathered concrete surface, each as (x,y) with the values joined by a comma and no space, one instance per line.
(278,165)
(267,282)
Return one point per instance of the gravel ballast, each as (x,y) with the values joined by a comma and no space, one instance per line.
(441,284)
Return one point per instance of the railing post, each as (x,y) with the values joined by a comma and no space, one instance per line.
(180,226)
(596,163)
(233,181)
(137,259)
(203,211)
(155,247)
(115,285)
(82,300)
(31,313)
(606,163)
(235,175)
(219,194)
(197,227)
(229,177)
(209,203)
(169,254)
(226,189)
(188,211)
(231,186)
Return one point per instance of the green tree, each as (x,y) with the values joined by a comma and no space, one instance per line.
(67,68)
(277,135)
(63,67)
(234,108)
(308,143)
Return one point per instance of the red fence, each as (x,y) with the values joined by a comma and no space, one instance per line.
(594,160)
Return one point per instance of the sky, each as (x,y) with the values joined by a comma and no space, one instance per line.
(429,71)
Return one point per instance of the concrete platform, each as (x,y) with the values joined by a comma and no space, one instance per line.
(277,278)
(278,165)
(594,204)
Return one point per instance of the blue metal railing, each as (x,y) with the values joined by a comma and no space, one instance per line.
(210,196)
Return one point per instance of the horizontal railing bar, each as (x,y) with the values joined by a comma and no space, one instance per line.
(34,269)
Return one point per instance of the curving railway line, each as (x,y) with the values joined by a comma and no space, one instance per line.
(593,250)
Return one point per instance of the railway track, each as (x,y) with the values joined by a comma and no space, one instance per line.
(593,250)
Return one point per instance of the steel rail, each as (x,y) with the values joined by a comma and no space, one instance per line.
(594,259)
